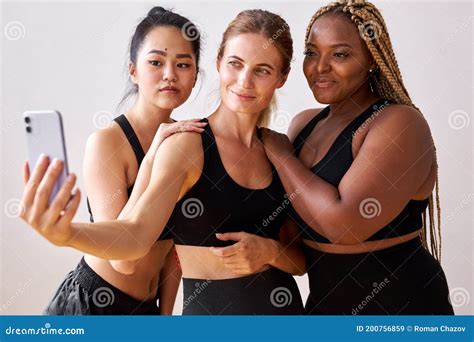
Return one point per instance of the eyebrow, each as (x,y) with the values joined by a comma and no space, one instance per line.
(260,64)
(163,53)
(333,45)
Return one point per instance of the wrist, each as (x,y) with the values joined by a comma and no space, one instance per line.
(274,253)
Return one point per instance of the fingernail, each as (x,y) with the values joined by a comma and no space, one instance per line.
(56,162)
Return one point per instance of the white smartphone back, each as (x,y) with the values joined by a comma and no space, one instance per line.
(44,134)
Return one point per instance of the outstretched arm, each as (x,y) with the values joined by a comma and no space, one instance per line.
(129,238)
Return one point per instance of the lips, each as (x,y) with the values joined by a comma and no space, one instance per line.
(169,89)
(243,96)
(323,82)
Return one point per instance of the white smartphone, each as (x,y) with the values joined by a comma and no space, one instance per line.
(45,134)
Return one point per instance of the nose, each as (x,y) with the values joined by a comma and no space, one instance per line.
(169,73)
(245,79)
(323,65)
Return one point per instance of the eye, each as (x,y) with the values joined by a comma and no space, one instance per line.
(263,71)
(234,64)
(183,65)
(155,63)
(309,53)
(341,55)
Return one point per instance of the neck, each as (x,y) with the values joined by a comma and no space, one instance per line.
(146,118)
(235,125)
(356,102)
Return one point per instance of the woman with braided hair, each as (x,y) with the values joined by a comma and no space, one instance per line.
(365,171)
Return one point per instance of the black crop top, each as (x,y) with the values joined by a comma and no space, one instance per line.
(139,154)
(217,204)
(333,166)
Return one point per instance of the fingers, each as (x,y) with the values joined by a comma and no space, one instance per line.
(71,208)
(237,236)
(46,186)
(26,172)
(224,251)
(34,181)
(62,198)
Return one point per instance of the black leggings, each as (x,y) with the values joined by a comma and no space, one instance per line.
(400,280)
(272,292)
(84,292)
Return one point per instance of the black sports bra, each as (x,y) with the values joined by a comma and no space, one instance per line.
(217,204)
(139,154)
(334,165)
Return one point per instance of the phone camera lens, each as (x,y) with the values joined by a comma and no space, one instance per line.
(27,119)
(28,129)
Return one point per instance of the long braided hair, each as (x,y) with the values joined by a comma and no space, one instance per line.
(386,81)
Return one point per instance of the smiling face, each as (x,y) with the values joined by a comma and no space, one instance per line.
(165,71)
(250,72)
(337,61)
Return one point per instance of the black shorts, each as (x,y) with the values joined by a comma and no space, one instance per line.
(272,292)
(84,292)
(400,280)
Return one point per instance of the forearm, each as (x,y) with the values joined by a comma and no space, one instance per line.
(170,277)
(111,240)
(289,258)
(316,201)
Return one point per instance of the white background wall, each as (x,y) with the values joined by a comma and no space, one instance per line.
(71,57)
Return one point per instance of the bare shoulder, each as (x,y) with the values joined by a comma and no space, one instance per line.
(300,120)
(398,119)
(106,140)
(183,147)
